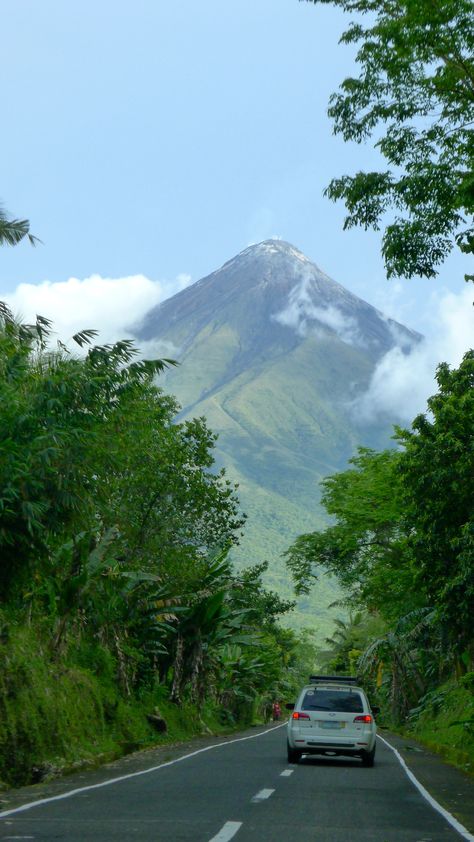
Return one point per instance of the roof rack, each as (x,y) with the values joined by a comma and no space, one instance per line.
(336,679)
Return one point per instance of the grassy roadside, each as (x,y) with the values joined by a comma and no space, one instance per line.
(444,722)
(59,716)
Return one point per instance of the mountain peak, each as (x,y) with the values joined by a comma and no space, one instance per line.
(272,297)
(275,246)
(270,250)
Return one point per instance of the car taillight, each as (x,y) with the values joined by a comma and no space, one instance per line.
(366,718)
(298,715)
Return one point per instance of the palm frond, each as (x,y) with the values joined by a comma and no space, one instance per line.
(84,337)
(12,231)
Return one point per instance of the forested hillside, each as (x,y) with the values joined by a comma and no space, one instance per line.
(119,606)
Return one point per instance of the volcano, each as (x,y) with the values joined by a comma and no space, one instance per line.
(275,354)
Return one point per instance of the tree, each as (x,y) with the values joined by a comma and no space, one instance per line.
(88,445)
(437,473)
(403,535)
(366,548)
(12,231)
(397,665)
(348,641)
(415,97)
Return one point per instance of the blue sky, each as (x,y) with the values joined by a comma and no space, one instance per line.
(162,137)
(149,142)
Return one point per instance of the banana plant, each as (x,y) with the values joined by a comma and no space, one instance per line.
(209,623)
(397,660)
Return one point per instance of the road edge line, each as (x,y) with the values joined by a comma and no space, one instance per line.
(71,792)
(424,792)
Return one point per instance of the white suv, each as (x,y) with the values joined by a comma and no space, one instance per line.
(332,717)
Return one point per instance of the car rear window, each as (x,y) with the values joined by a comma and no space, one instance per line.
(339,700)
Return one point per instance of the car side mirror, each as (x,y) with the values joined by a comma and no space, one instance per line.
(375,710)
(290,706)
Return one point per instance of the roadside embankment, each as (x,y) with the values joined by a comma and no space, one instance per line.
(58,716)
(444,722)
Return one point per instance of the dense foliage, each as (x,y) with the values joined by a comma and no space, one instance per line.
(437,475)
(415,97)
(402,547)
(115,532)
(401,542)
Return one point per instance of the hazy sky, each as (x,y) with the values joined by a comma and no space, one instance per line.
(149,142)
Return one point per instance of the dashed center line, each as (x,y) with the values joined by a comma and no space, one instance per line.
(227,831)
(262,795)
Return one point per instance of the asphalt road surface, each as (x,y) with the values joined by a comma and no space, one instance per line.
(241,788)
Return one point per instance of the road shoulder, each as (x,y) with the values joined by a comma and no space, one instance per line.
(451,787)
(138,761)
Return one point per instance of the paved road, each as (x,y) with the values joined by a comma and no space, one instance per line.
(244,790)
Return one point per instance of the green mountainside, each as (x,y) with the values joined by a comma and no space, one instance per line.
(273,353)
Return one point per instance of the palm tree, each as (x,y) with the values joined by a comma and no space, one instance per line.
(14,230)
(346,642)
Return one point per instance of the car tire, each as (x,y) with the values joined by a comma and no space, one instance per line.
(293,754)
(368,757)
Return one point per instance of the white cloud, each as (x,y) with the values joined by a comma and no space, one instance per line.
(402,382)
(345,326)
(110,305)
(304,316)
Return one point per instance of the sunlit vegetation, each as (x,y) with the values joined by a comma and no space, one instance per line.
(118,596)
(401,545)
(413,97)
(402,539)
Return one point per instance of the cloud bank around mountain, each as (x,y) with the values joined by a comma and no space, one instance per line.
(400,385)
(402,381)
(112,306)
(304,316)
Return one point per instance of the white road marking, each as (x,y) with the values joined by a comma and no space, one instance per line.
(286,773)
(226,832)
(72,792)
(262,795)
(429,798)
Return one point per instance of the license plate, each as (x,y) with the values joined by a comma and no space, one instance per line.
(333,725)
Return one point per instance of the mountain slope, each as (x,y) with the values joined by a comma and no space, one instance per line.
(274,353)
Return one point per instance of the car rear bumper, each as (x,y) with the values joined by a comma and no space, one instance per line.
(333,745)
(335,751)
